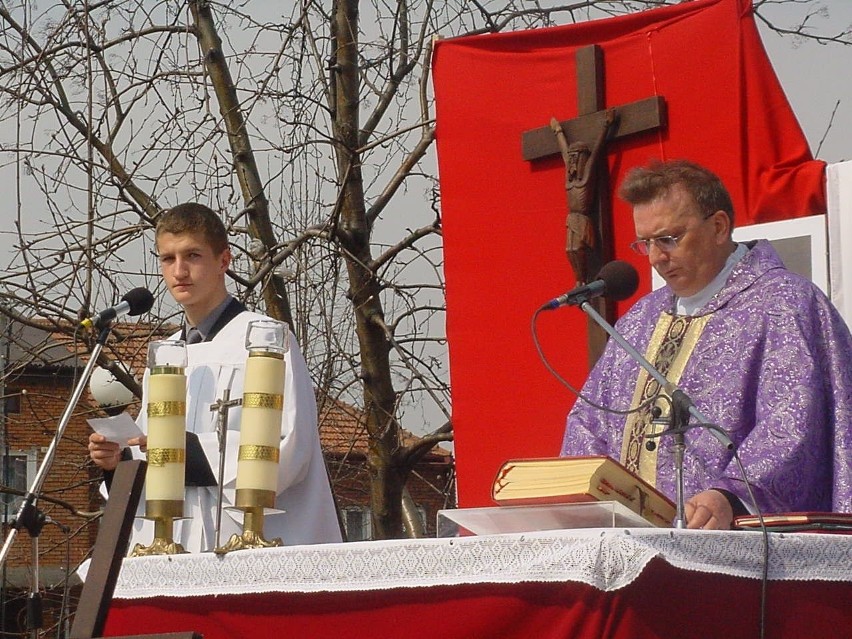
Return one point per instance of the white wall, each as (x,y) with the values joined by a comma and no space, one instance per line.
(840,236)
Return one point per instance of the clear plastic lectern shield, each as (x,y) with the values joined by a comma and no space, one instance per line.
(462,522)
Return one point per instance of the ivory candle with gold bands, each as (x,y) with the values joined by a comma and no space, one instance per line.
(263,404)
(164,479)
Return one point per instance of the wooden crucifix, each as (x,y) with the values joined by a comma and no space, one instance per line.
(582,142)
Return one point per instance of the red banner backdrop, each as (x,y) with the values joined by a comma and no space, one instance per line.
(504,218)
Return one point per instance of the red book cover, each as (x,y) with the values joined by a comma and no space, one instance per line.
(798,522)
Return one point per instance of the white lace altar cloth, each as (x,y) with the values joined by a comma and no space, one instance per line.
(606,559)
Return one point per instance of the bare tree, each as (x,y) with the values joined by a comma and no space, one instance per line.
(310,127)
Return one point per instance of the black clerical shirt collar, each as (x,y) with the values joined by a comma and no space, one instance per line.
(216,319)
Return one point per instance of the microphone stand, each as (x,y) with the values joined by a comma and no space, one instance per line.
(29,516)
(682,408)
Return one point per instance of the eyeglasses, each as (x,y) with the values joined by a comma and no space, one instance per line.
(665,243)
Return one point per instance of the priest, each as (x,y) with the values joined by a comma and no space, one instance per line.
(760,350)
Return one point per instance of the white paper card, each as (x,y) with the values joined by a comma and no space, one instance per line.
(119,428)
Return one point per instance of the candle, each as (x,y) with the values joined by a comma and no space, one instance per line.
(263,404)
(166,406)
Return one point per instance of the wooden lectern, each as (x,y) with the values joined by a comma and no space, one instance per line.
(110,549)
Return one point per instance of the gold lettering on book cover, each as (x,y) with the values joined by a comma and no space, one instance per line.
(669,350)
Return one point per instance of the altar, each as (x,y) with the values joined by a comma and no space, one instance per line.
(618,582)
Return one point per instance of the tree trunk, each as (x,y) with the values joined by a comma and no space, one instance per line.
(245,167)
(388,474)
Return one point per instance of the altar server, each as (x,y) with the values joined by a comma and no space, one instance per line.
(194,256)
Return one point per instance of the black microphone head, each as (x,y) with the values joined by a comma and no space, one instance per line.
(620,278)
(140,300)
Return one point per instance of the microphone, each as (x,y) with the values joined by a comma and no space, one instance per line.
(138,301)
(616,280)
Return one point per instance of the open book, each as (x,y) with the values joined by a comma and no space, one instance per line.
(571,479)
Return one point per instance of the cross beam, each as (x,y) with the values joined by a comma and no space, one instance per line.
(635,117)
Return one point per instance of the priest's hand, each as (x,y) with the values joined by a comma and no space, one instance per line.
(105,454)
(710,510)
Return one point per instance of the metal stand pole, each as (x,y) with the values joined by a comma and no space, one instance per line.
(28,514)
(678,428)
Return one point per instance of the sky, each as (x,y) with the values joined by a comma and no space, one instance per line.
(813,75)
(815,78)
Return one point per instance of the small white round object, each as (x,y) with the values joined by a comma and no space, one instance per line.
(107,390)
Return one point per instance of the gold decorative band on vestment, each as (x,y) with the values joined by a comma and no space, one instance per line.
(166,409)
(167,370)
(163,456)
(252,452)
(263,400)
(669,349)
(260,352)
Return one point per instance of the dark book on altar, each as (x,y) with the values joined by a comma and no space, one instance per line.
(557,480)
(798,522)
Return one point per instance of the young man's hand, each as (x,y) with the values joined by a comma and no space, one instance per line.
(107,454)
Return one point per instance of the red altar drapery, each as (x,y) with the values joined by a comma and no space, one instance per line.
(504,218)
(664,603)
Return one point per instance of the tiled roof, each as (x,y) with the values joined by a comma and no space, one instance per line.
(342,431)
(44,344)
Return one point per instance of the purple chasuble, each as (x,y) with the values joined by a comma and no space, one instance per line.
(773,367)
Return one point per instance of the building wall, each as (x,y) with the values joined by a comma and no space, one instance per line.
(428,486)
(34,405)
(31,423)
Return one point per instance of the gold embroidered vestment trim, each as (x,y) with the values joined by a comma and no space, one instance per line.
(669,350)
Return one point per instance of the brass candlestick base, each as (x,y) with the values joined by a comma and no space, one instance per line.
(252,536)
(160,546)
(249,539)
(163,513)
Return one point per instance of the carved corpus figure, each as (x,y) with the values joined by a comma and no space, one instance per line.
(581,177)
